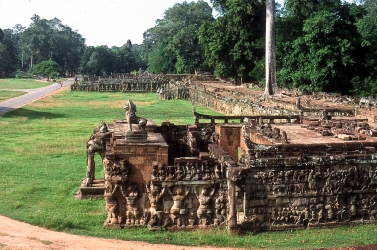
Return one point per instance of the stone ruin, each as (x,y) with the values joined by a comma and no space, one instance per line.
(230,99)
(261,173)
(166,86)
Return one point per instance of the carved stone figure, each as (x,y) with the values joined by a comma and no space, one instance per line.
(113,167)
(330,212)
(159,171)
(196,171)
(153,221)
(132,204)
(178,199)
(112,206)
(206,171)
(193,143)
(179,172)
(271,216)
(96,143)
(154,195)
(191,220)
(312,181)
(131,117)
(220,210)
(188,171)
(204,211)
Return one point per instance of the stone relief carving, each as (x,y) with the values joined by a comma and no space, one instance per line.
(112,206)
(205,211)
(178,194)
(95,144)
(271,187)
(116,176)
(131,195)
(308,197)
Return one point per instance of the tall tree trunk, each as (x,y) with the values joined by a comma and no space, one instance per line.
(271,85)
(31,63)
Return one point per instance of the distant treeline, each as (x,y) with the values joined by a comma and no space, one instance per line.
(321,45)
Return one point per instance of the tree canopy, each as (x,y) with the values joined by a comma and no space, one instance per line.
(320,46)
(50,39)
(102,60)
(172,46)
(234,42)
(48,68)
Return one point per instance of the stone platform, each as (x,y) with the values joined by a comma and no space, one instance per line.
(95,191)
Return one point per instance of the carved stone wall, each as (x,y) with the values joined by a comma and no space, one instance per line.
(189,194)
(261,174)
(296,197)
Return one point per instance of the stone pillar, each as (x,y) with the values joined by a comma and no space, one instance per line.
(232,216)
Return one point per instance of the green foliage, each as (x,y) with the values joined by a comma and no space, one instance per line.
(365,83)
(50,39)
(19,74)
(4,59)
(102,60)
(172,46)
(10,43)
(4,95)
(1,35)
(48,68)
(12,83)
(319,47)
(162,59)
(234,42)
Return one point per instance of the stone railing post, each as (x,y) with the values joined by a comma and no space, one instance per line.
(232,217)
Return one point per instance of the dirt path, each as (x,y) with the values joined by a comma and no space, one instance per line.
(31,96)
(15,235)
(18,235)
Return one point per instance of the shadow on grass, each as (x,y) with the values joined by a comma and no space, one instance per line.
(31,114)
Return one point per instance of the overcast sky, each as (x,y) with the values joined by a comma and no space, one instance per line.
(101,22)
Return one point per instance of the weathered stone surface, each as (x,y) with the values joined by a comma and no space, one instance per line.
(264,173)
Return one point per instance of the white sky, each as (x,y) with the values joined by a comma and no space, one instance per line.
(101,22)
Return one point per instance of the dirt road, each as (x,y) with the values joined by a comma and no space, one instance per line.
(22,236)
(31,96)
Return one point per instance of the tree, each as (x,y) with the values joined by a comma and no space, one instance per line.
(9,54)
(1,35)
(102,60)
(366,82)
(50,39)
(233,43)
(35,40)
(48,68)
(4,60)
(129,44)
(67,46)
(138,51)
(271,85)
(93,66)
(173,42)
(319,46)
(126,58)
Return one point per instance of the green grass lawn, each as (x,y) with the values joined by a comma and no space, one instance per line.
(6,94)
(43,162)
(14,83)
